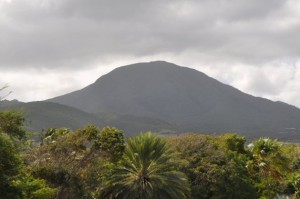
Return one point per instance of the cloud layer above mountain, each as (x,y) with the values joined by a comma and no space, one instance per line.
(51,47)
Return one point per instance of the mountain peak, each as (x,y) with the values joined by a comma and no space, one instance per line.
(184,97)
(148,71)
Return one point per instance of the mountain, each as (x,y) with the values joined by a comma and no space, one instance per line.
(43,115)
(131,124)
(184,99)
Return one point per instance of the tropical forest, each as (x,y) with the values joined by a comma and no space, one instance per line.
(90,163)
(157,99)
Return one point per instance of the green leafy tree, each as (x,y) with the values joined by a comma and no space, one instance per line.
(148,170)
(290,182)
(15,182)
(32,188)
(215,165)
(76,162)
(232,142)
(11,131)
(111,141)
(269,162)
(12,124)
(10,166)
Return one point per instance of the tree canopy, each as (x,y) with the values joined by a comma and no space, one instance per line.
(97,163)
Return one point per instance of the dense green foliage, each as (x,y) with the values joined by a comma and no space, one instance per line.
(15,182)
(216,166)
(268,163)
(10,163)
(148,170)
(75,162)
(91,163)
(11,123)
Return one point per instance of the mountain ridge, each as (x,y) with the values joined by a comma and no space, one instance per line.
(42,115)
(184,97)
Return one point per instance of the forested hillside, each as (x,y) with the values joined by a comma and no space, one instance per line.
(101,163)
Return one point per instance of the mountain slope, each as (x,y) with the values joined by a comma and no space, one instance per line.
(44,115)
(183,97)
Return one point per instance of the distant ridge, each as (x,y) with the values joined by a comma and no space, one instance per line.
(185,100)
(43,115)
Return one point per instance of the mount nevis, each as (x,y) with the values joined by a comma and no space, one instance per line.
(162,96)
(166,98)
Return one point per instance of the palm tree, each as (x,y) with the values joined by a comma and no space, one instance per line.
(268,161)
(148,170)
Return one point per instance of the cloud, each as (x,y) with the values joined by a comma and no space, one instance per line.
(252,45)
(68,33)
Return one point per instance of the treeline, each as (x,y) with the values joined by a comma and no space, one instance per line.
(91,163)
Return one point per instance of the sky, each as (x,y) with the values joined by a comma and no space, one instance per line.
(52,47)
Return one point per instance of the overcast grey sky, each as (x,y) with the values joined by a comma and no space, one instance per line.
(51,47)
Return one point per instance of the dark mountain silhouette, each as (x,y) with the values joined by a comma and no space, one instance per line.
(183,99)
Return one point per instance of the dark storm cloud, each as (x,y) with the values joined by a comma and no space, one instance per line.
(77,33)
(252,45)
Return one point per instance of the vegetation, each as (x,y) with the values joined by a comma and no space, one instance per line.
(10,162)
(268,162)
(215,166)
(15,181)
(91,163)
(148,170)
